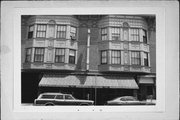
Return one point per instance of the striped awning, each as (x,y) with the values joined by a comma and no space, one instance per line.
(88,81)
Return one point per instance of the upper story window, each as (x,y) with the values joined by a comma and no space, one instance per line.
(60,55)
(144,36)
(73,33)
(28,55)
(116,57)
(146,61)
(115,33)
(134,34)
(41,30)
(135,58)
(104,34)
(104,57)
(72,56)
(39,55)
(61,31)
(30,32)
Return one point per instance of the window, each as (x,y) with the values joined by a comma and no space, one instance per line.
(61,31)
(115,33)
(146,59)
(144,36)
(30,32)
(72,54)
(104,34)
(134,34)
(73,33)
(39,55)
(104,57)
(68,97)
(59,97)
(28,55)
(135,58)
(47,96)
(41,31)
(116,57)
(60,55)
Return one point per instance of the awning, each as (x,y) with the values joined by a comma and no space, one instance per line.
(88,81)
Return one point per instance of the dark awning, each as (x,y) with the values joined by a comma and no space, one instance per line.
(88,81)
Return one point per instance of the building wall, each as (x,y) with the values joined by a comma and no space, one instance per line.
(95,25)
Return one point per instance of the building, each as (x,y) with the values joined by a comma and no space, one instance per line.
(97,57)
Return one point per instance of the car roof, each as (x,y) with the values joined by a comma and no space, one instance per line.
(125,97)
(52,93)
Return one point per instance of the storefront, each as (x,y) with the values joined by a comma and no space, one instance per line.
(99,88)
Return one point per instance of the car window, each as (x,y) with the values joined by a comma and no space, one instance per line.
(68,97)
(130,99)
(123,99)
(59,97)
(47,96)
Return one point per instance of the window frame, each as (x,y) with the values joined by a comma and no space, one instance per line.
(74,57)
(135,36)
(59,55)
(117,59)
(28,55)
(41,31)
(134,59)
(61,32)
(73,36)
(145,36)
(115,34)
(104,34)
(39,55)
(30,32)
(146,63)
(104,57)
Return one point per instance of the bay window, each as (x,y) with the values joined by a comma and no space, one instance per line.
(135,58)
(61,31)
(39,55)
(28,55)
(146,63)
(104,57)
(116,57)
(60,55)
(30,32)
(144,36)
(72,58)
(73,33)
(41,30)
(134,34)
(115,33)
(104,34)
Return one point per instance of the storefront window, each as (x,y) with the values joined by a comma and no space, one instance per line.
(72,54)
(116,57)
(39,55)
(41,31)
(135,58)
(61,31)
(60,55)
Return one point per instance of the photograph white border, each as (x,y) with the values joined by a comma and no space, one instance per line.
(65,9)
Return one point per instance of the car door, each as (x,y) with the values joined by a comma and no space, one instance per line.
(59,100)
(69,100)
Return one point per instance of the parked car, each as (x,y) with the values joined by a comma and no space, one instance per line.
(51,99)
(127,100)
